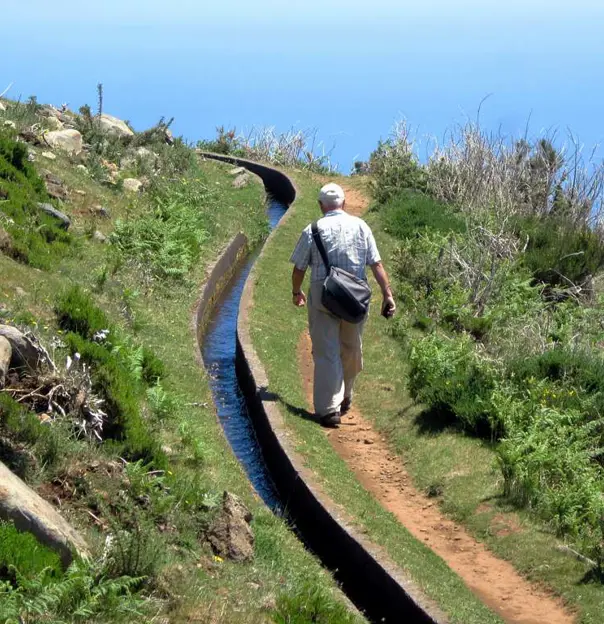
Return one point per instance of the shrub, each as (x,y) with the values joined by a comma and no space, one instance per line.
(409,213)
(36,238)
(560,252)
(76,312)
(394,168)
(447,374)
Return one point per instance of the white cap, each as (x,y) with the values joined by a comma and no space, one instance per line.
(331,195)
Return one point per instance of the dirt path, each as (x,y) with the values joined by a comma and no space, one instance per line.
(381,472)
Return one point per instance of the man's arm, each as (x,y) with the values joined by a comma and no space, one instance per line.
(381,277)
(298,296)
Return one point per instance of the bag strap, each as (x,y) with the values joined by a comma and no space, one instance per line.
(319,243)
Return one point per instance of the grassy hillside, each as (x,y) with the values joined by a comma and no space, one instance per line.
(143,481)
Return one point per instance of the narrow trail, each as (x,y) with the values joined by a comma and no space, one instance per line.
(495,581)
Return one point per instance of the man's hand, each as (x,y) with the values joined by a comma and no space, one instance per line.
(388,306)
(299,300)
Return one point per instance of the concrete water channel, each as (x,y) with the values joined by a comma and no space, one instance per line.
(254,428)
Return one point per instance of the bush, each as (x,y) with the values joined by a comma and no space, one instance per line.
(446,374)
(77,313)
(409,213)
(36,239)
(167,238)
(559,252)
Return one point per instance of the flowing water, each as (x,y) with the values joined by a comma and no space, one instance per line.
(218,350)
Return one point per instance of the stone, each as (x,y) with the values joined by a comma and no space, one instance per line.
(2,107)
(237,171)
(100,211)
(48,155)
(69,141)
(114,126)
(24,353)
(132,185)
(64,220)
(82,168)
(241,181)
(54,123)
(20,292)
(10,124)
(29,135)
(6,354)
(230,533)
(46,110)
(31,513)
(55,187)
(6,242)
(99,237)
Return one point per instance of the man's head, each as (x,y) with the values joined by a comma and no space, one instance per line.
(331,197)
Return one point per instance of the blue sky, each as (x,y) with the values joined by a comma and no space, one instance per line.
(348,68)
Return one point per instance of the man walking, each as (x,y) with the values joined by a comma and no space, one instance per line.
(336,344)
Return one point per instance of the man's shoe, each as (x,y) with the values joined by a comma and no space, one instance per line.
(331,420)
(345,406)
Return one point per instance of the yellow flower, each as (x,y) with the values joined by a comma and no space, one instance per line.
(218,559)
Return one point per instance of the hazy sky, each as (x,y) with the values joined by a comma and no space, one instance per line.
(348,68)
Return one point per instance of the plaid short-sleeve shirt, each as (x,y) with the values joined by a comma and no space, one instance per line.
(348,241)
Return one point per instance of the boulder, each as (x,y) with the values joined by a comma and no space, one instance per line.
(6,354)
(69,141)
(64,220)
(31,513)
(24,352)
(230,533)
(114,126)
(241,180)
(132,185)
(54,123)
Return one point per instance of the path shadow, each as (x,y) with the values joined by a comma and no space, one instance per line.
(266,395)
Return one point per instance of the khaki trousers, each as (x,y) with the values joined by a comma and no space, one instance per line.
(337,351)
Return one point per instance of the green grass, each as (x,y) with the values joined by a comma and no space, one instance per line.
(156,312)
(276,327)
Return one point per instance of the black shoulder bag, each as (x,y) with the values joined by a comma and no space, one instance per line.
(344,294)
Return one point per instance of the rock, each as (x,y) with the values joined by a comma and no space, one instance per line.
(30,512)
(20,292)
(100,211)
(46,110)
(6,242)
(10,124)
(48,155)
(24,353)
(30,136)
(2,107)
(99,237)
(64,220)
(55,187)
(230,534)
(114,126)
(54,123)
(82,168)
(241,180)
(132,185)
(6,354)
(168,136)
(237,171)
(69,141)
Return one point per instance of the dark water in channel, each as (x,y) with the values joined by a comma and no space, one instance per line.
(218,351)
